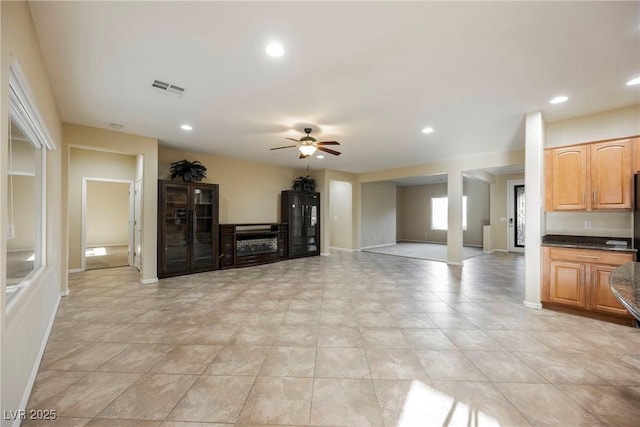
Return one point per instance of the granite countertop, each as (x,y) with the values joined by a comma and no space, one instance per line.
(620,244)
(625,285)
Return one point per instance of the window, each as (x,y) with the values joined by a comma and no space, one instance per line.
(440,213)
(25,198)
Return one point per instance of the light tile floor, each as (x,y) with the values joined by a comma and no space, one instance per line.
(353,339)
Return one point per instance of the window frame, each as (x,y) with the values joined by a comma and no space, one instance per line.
(24,114)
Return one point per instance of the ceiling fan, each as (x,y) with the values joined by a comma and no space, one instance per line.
(308,145)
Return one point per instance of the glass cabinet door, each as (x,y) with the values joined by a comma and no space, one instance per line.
(176,228)
(311,223)
(297,226)
(202,232)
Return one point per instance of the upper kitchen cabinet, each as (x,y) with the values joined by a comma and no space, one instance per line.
(596,176)
(568,176)
(611,175)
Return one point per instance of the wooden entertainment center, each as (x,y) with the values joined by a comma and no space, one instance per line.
(242,245)
(191,240)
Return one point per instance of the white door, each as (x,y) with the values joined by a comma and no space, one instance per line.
(137,226)
(515,215)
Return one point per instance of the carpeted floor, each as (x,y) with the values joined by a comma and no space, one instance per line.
(107,257)
(430,251)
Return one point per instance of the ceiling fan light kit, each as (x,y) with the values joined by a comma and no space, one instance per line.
(308,145)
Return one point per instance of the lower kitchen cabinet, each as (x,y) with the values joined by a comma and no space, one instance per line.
(579,279)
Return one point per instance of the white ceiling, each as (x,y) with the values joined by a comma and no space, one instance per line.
(371,75)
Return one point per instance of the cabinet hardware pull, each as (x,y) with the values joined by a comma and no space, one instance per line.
(588,256)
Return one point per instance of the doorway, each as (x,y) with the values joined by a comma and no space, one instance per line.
(340,214)
(516,215)
(107,223)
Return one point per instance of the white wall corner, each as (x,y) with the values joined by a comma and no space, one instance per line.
(534,174)
(534,305)
(149,281)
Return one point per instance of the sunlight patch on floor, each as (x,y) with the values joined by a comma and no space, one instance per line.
(95,252)
(425,405)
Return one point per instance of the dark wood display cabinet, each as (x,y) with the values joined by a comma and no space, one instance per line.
(187,227)
(301,211)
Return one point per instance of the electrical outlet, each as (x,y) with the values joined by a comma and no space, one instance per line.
(11,232)
(587,225)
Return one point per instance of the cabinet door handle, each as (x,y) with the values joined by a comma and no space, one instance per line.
(589,256)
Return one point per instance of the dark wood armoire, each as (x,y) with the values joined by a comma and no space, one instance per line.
(301,212)
(187,227)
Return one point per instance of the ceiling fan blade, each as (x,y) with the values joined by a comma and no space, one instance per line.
(292,139)
(286,146)
(302,156)
(329,150)
(328,143)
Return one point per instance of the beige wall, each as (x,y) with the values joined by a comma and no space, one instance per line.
(24,326)
(415,212)
(594,127)
(107,221)
(89,138)
(500,211)
(249,192)
(91,164)
(378,214)
(478,202)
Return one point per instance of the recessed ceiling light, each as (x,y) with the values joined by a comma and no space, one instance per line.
(186,127)
(274,49)
(320,156)
(116,125)
(559,99)
(634,82)
(427,130)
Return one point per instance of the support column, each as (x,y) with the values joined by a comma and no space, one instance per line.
(534,211)
(454,234)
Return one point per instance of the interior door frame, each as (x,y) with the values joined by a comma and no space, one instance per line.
(136,246)
(511,244)
(83,246)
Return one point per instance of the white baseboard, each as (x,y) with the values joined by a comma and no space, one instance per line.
(455,263)
(64,293)
(377,246)
(436,243)
(501,250)
(341,249)
(75,270)
(149,281)
(489,252)
(534,305)
(422,241)
(325,253)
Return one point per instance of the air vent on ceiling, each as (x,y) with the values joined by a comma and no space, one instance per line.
(168,88)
